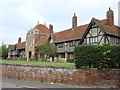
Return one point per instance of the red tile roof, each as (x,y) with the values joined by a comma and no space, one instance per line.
(42,29)
(17,46)
(78,32)
(11,47)
(20,45)
(69,34)
(107,27)
(43,40)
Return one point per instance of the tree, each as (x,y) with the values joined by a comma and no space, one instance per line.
(47,49)
(3,51)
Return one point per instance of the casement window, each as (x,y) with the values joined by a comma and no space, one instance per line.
(60,45)
(85,40)
(62,55)
(73,43)
(93,39)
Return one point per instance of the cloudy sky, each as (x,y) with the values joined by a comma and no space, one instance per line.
(19,16)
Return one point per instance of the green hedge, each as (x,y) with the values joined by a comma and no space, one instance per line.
(94,56)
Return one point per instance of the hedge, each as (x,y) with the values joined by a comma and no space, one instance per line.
(94,56)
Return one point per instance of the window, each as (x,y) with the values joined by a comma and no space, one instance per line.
(85,40)
(72,43)
(36,31)
(60,45)
(93,39)
(62,55)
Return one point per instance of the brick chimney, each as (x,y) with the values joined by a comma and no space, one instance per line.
(74,21)
(19,40)
(51,28)
(110,16)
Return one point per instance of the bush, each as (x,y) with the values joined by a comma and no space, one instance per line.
(94,56)
(71,60)
(3,51)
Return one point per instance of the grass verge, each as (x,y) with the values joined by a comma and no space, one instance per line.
(40,63)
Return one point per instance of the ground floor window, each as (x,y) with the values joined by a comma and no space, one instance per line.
(62,55)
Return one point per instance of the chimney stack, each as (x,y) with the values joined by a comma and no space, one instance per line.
(74,21)
(51,28)
(110,16)
(19,40)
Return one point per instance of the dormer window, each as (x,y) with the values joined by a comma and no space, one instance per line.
(36,31)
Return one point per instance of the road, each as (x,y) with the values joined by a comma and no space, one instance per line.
(14,83)
(35,85)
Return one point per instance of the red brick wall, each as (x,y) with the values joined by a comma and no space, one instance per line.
(89,77)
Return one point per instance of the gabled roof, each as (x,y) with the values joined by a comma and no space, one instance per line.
(43,40)
(20,45)
(79,31)
(42,29)
(11,47)
(108,27)
(69,34)
(17,46)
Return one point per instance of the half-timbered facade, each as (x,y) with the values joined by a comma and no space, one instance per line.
(97,32)
(102,31)
(96,35)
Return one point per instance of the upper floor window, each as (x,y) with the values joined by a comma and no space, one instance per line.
(36,31)
(73,43)
(93,39)
(60,45)
(85,40)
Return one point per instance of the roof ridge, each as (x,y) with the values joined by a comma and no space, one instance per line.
(70,28)
(21,42)
(61,31)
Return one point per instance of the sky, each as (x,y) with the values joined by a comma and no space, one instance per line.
(19,16)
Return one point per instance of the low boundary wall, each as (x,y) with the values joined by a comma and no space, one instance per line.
(89,77)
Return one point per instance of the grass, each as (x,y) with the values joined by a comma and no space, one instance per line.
(40,63)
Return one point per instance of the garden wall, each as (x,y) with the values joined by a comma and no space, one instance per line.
(89,77)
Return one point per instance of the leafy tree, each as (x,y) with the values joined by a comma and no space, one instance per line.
(47,49)
(3,51)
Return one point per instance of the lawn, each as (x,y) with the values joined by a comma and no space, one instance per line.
(55,64)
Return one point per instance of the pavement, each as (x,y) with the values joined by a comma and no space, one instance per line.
(15,84)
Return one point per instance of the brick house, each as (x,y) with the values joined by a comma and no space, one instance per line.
(96,32)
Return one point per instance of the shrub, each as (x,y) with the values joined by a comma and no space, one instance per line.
(94,56)
(71,60)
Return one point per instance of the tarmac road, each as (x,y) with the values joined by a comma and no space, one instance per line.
(14,83)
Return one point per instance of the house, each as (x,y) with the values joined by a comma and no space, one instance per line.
(97,32)
(17,50)
(102,31)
